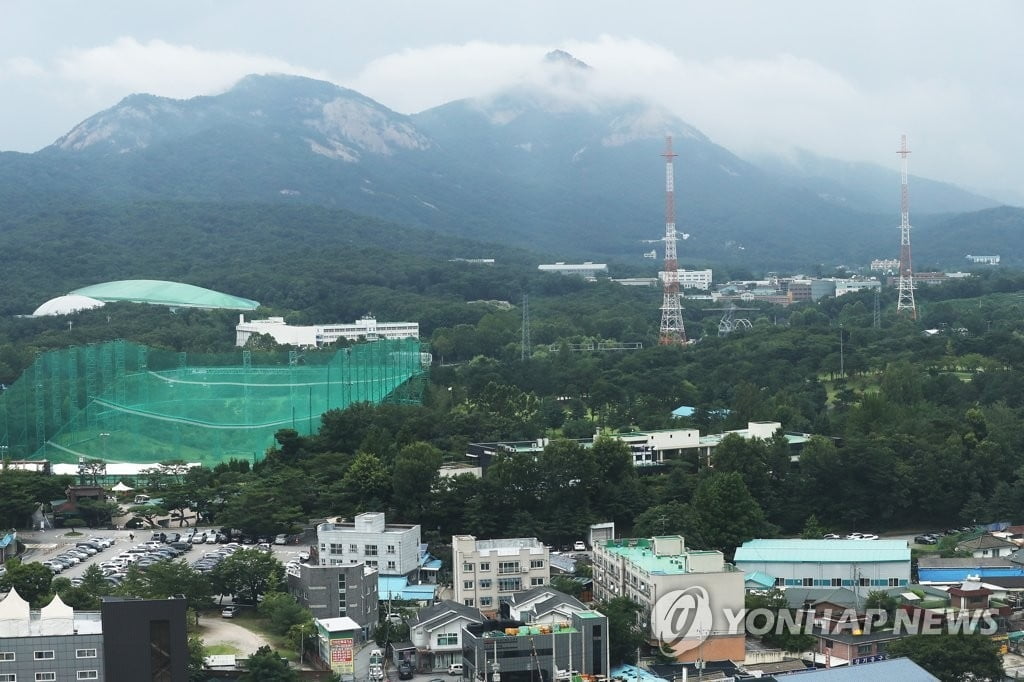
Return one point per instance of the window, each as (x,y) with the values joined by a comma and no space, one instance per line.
(8,677)
(337,548)
(508,567)
(43,655)
(160,649)
(467,584)
(341,582)
(837,582)
(536,581)
(467,567)
(6,656)
(780,582)
(447,638)
(353,549)
(370,550)
(864,650)
(371,564)
(864,582)
(510,584)
(485,601)
(46,677)
(391,549)
(392,566)
(88,675)
(467,602)
(85,653)
(485,584)
(894,582)
(485,565)
(537,563)
(808,582)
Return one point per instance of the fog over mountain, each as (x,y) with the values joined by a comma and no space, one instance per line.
(553,166)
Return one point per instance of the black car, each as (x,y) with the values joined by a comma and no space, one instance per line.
(925,540)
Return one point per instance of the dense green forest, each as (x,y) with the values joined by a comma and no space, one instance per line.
(916,428)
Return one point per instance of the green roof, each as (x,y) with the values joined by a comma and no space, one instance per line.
(164,293)
(643,557)
(821,551)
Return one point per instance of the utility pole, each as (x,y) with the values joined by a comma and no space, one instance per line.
(842,363)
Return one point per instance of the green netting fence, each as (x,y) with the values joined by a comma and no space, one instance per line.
(124,402)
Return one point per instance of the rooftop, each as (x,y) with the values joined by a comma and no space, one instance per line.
(822,551)
(640,552)
(164,293)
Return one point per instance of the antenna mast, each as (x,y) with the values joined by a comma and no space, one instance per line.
(672,330)
(906,293)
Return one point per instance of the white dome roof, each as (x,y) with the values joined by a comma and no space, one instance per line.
(65,305)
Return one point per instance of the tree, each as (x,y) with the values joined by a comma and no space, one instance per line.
(247,574)
(624,635)
(952,658)
(196,660)
(879,599)
(73,522)
(283,612)
(813,530)
(166,578)
(31,580)
(413,480)
(775,601)
(97,512)
(745,519)
(148,512)
(267,666)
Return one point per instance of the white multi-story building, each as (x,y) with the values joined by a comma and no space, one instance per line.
(646,570)
(847,286)
(487,572)
(885,264)
(691,279)
(984,260)
(391,548)
(587,270)
(366,327)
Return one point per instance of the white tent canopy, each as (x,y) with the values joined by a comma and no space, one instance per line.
(121,488)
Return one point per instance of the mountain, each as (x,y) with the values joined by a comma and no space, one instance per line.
(869,187)
(552,167)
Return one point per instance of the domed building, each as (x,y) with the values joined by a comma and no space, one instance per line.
(157,292)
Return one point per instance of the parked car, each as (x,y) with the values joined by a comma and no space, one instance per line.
(229,611)
(405,670)
(831,536)
(925,540)
(579,546)
(455,669)
(281,539)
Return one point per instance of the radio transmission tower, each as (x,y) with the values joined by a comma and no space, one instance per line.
(672,330)
(905,304)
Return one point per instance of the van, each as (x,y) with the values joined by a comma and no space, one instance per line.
(455,669)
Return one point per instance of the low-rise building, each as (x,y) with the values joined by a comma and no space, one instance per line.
(337,639)
(586,270)
(391,548)
(437,632)
(127,640)
(861,565)
(348,590)
(646,570)
(314,336)
(986,546)
(527,652)
(488,572)
(943,571)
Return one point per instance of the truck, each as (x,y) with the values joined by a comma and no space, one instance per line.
(376,669)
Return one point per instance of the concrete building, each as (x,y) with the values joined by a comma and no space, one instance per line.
(649,448)
(885,265)
(437,633)
(983,260)
(645,570)
(487,572)
(600,533)
(128,640)
(314,336)
(586,270)
(530,652)
(544,605)
(861,565)
(348,590)
(987,546)
(691,279)
(393,549)
(849,286)
(336,644)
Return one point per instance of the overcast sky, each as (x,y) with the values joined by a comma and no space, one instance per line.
(842,78)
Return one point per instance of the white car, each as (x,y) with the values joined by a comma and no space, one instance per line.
(579,546)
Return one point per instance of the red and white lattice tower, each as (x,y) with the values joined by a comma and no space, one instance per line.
(672,330)
(905,303)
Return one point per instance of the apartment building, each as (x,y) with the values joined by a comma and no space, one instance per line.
(488,572)
(348,590)
(645,570)
(393,549)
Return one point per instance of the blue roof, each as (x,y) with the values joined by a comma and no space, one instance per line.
(902,669)
(760,578)
(433,564)
(958,574)
(398,587)
(7,539)
(822,551)
(635,674)
(684,411)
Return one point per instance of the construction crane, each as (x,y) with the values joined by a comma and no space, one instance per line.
(729,322)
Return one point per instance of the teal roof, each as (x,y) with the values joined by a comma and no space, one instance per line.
(164,293)
(822,551)
(762,579)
